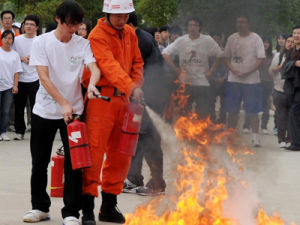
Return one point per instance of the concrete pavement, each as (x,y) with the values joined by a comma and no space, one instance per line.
(276,171)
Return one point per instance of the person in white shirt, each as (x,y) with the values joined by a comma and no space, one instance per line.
(29,78)
(10,65)
(244,53)
(7,19)
(194,51)
(59,57)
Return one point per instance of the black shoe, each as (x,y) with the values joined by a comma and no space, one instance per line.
(109,211)
(88,222)
(147,191)
(88,217)
(292,148)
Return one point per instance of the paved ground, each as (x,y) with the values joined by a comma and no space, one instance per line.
(276,179)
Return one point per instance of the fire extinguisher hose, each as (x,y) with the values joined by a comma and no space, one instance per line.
(130,133)
(79,146)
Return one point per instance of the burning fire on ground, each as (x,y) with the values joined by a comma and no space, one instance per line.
(210,170)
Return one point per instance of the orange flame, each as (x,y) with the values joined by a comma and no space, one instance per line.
(201,179)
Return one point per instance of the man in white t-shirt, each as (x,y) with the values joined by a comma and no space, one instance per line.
(59,57)
(244,53)
(29,78)
(194,50)
(7,19)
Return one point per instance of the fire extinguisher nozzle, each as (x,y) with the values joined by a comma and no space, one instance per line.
(105,98)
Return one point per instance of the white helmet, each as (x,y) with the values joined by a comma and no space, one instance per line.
(118,6)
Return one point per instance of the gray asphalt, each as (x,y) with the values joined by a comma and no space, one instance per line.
(276,174)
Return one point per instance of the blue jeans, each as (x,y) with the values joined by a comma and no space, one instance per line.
(6,98)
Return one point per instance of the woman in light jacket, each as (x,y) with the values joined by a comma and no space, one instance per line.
(280,99)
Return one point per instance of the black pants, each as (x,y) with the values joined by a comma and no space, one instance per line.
(203,97)
(218,90)
(42,137)
(294,119)
(26,90)
(282,104)
(148,147)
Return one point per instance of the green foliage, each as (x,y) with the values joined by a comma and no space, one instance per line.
(156,13)
(45,10)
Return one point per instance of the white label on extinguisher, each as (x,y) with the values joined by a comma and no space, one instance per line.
(52,163)
(137,118)
(75,136)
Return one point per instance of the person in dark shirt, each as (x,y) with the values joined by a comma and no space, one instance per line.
(149,138)
(291,74)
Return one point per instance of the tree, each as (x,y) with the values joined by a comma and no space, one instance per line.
(156,13)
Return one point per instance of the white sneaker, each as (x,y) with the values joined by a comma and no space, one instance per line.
(246,130)
(282,144)
(35,215)
(71,220)
(265,131)
(129,187)
(5,137)
(19,137)
(255,141)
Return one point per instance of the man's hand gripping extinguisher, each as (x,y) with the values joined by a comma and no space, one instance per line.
(78,143)
(131,128)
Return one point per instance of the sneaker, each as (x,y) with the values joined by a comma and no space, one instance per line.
(282,144)
(275,131)
(246,130)
(11,128)
(35,215)
(71,220)
(255,141)
(88,222)
(265,131)
(5,137)
(146,191)
(28,129)
(19,137)
(129,187)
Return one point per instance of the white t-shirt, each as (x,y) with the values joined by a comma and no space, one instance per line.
(65,62)
(278,81)
(243,53)
(22,46)
(10,63)
(194,57)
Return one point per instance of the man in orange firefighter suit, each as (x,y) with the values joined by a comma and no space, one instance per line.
(115,48)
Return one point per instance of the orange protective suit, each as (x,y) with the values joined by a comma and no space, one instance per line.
(119,59)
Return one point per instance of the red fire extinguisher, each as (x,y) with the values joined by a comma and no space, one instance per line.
(131,128)
(78,143)
(57,175)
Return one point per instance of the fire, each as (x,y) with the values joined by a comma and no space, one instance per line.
(211,162)
(201,180)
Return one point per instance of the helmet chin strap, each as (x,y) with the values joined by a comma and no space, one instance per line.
(119,31)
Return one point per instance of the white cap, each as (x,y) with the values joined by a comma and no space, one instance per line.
(118,6)
(16,24)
